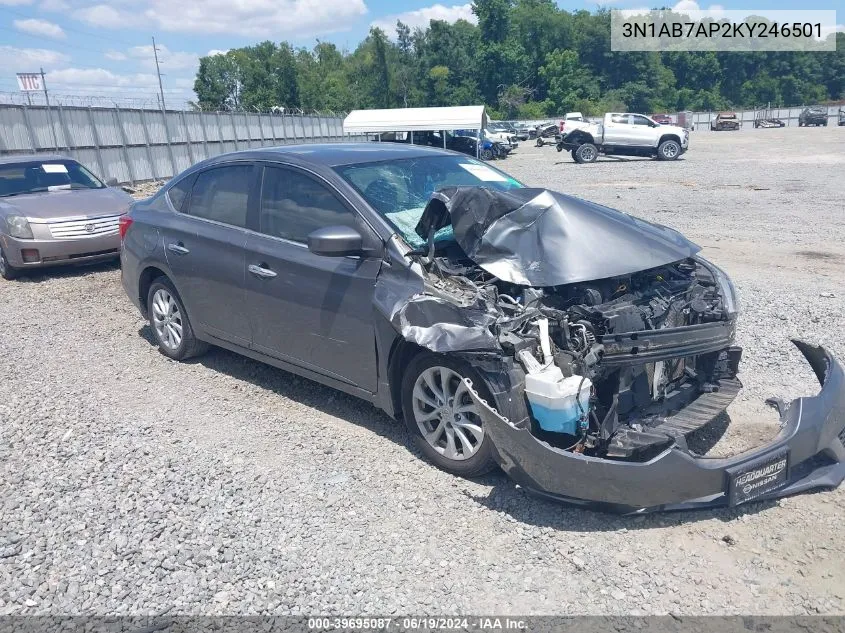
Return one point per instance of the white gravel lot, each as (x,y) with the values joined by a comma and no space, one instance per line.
(130,484)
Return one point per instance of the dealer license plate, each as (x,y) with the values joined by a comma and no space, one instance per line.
(754,479)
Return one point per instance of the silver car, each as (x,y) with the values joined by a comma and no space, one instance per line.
(54,211)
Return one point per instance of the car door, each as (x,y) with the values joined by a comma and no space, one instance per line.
(642,133)
(311,310)
(617,130)
(205,251)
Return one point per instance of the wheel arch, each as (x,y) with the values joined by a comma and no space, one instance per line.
(669,137)
(400,356)
(148,275)
(580,137)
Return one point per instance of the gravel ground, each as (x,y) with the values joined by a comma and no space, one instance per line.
(130,484)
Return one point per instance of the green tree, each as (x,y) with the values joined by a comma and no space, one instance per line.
(568,81)
(524,57)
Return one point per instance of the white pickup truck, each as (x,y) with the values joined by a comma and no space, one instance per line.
(624,134)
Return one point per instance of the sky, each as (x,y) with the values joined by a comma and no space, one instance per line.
(104,47)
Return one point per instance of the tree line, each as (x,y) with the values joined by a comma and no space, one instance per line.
(524,59)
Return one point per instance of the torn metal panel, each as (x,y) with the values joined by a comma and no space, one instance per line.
(426,320)
(536,237)
(808,454)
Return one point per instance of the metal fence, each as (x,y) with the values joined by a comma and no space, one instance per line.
(789,116)
(135,145)
(701,120)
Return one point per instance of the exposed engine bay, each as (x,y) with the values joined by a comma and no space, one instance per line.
(603,341)
(610,362)
(577,328)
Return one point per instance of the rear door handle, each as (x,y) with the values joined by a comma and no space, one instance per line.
(261,271)
(178,248)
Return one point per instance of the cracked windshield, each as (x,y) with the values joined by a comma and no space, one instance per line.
(400,189)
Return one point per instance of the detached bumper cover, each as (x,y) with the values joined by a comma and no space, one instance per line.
(808,453)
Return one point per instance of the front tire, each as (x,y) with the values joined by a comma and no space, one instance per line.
(7,271)
(539,142)
(668,150)
(169,322)
(487,154)
(586,153)
(441,416)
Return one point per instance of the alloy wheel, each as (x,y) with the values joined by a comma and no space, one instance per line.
(445,413)
(588,154)
(167,319)
(670,150)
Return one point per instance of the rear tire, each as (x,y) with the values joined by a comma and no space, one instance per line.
(586,153)
(7,272)
(170,324)
(450,420)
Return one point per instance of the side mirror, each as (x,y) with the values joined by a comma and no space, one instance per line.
(336,241)
(112,182)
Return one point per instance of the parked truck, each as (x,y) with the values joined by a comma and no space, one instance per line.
(625,134)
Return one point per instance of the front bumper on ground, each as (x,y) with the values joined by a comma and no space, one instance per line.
(808,453)
(51,252)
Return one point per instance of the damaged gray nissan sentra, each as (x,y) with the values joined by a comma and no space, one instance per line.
(573,345)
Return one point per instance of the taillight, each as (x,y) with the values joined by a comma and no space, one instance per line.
(123,225)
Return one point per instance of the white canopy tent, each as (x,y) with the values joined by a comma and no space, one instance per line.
(416,120)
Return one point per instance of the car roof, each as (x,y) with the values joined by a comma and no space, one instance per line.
(29,158)
(334,154)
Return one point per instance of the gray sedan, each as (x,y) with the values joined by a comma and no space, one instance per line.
(54,211)
(573,345)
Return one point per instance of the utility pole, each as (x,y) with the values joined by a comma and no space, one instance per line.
(49,112)
(158,72)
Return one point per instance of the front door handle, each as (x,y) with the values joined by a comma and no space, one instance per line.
(260,270)
(178,248)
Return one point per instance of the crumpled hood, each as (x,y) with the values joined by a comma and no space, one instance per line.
(537,237)
(68,203)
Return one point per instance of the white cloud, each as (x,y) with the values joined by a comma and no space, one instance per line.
(99,81)
(715,11)
(54,5)
(24,60)
(40,27)
(216,51)
(686,5)
(99,77)
(277,19)
(422,17)
(827,30)
(116,56)
(106,16)
(15,3)
(172,60)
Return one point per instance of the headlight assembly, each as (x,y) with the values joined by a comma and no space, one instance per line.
(730,295)
(18,226)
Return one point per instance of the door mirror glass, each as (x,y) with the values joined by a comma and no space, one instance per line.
(112,182)
(335,241)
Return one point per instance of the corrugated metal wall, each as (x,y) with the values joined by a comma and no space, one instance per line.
(137,145)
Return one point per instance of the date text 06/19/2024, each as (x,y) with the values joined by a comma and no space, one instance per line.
(427,623)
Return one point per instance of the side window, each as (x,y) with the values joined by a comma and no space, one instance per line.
(619,118)
(221,194)
(179,192)
(294,205)
(640,120)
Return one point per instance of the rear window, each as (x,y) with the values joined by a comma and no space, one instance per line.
(221,194)
(178,192)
